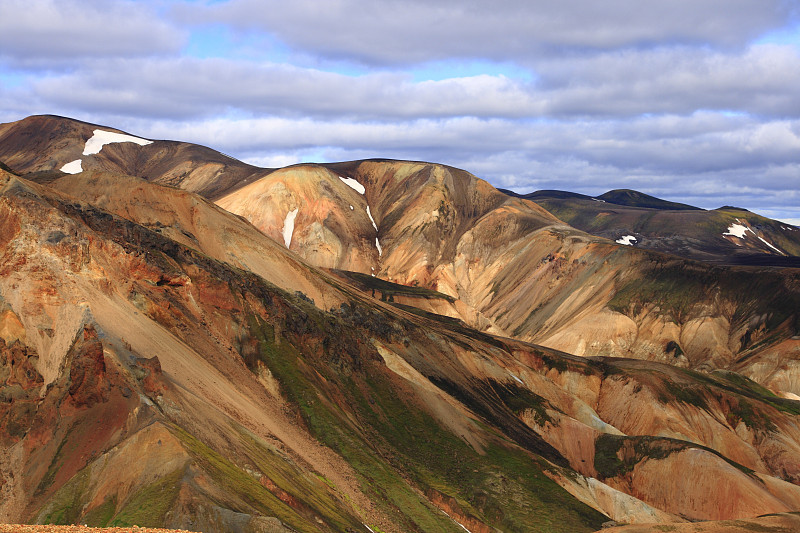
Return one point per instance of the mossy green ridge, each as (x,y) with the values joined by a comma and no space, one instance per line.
(365,414)
(241,486)
(148,506)
(608,463)
(101,515)
(64,507)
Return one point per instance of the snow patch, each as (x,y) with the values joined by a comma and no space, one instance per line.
(351,208)
(768,244)
(73,167)
(378,246)
(456,521)
(737,230)
(288,226)
(598,200)
(372,219)
(353,184)
(102,138)
(366,526)
(627,240)
(516,378)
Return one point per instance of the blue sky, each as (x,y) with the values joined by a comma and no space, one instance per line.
(693,101)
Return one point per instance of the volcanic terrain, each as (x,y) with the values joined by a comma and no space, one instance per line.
(187,341)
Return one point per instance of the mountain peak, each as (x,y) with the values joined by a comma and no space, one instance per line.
(632,198)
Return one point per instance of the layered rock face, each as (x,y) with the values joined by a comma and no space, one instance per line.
(515,270)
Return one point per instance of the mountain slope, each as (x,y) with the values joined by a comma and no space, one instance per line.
(506,266)
(41,145)
(727,235)
(515,270)
(165,363)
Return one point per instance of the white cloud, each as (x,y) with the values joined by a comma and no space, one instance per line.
(673,99)
(411,31)
(47,33)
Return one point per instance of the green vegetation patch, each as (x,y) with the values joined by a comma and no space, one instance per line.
(101,515)
(399,451)
(148,505)
(616,455)
(239,483)
(691,394)
(675,289)
(66,505)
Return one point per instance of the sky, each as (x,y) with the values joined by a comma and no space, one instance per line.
(696,101)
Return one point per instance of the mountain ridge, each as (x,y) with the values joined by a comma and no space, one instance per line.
(222,376)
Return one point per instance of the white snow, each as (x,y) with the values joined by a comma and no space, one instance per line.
(288,226)
(72,167)
(456,521)
(372,219)
(768,244)
(737,230)
(351,208)
(353,184)
(627,240)
(516,378)
(366,526)
(598,200)
(102,138)
(378,246)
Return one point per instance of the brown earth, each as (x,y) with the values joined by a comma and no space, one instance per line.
(163,355)
(781,523)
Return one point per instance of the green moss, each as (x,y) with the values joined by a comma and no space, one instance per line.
(65,506)
(520,399)
(314,491)
(101,515)
(608,463)
(149,504)
(239,484)
(398,451)
(691,394)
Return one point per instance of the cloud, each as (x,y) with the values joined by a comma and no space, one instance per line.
(677,99)
(759,80)
(713,163)
(48,33)
(412,31)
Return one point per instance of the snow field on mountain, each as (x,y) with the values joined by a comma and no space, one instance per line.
(288,226)
(102,138)
(73,167)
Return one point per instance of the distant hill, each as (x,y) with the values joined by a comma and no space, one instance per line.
(633,198)
(727,235)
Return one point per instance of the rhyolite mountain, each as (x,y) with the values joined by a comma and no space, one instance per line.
(727,235)
(193,342)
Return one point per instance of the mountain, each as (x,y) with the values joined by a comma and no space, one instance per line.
(728,235)
(40,146)
(165,362)
(625,197)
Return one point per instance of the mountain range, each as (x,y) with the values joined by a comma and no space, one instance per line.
(190,341)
